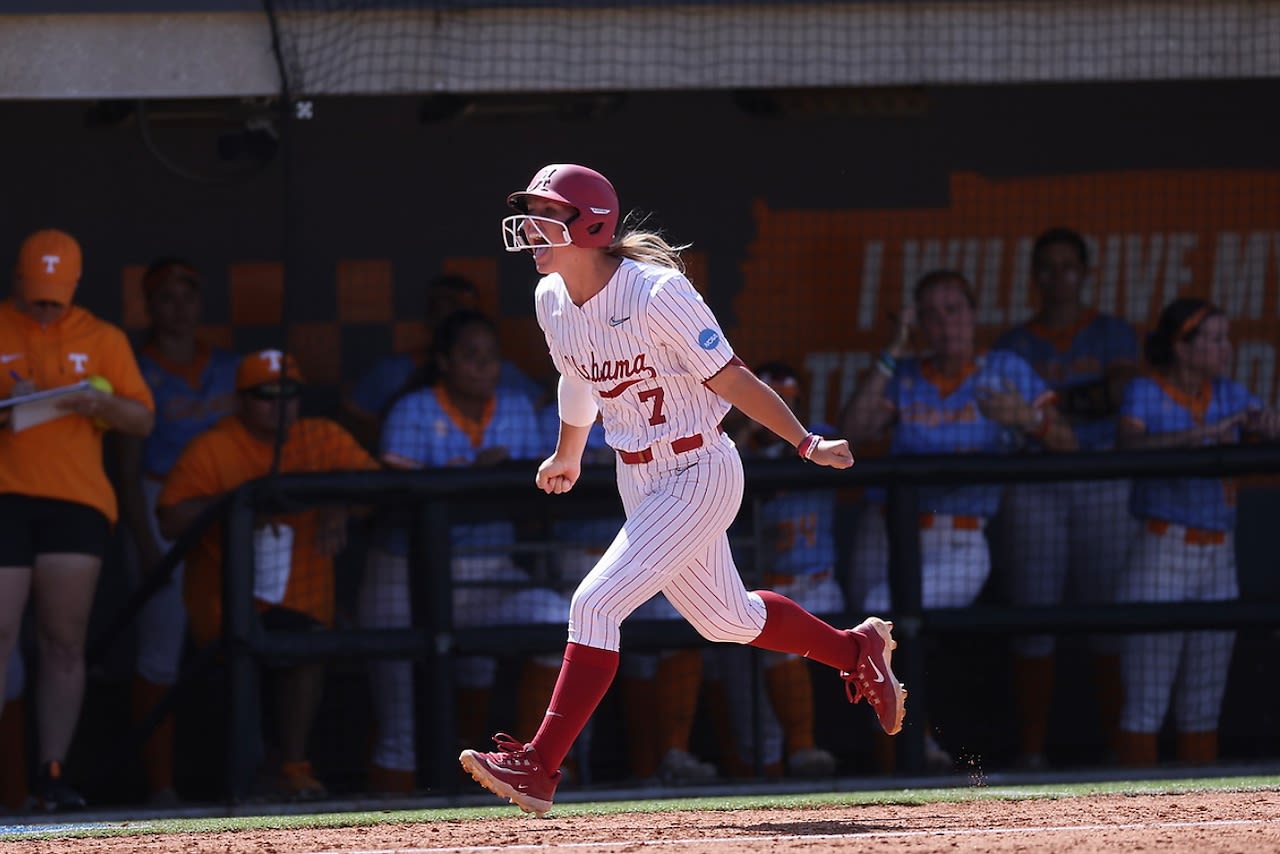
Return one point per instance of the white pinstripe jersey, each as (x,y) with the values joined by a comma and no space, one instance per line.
(644,344)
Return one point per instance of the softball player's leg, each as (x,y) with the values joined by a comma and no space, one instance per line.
(1156,572)
(1201,686)
(1035,537)
(862,654)
(673,512)
(1202,681)
(538,673)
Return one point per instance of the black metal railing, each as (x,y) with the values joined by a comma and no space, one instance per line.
(433,640)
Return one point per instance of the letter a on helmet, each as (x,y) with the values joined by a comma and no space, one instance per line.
(585,190)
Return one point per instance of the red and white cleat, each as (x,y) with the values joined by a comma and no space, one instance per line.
(872,677)
(514,771)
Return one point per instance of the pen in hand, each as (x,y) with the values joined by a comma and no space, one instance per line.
(20,386)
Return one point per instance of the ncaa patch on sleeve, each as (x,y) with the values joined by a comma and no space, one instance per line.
(708,339)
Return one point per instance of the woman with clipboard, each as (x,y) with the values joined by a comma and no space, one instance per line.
(56,504)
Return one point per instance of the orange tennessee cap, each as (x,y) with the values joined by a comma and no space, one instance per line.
(49,267)
(266,366)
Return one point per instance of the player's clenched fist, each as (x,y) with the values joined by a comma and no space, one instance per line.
(557,476)
(834,453)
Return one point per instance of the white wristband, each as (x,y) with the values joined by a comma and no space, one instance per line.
(808,445)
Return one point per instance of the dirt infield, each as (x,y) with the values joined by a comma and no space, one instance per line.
(1196,823)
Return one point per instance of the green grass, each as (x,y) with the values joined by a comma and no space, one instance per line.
(724,803)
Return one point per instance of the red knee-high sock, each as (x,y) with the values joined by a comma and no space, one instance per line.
(790,628)
(584,678)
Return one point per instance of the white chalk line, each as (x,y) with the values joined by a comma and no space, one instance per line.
(852,836)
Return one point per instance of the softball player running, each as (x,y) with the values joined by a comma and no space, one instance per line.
(1077,530)
(633,340)
(1185,550)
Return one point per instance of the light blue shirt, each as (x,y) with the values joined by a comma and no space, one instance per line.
(930,422)
(1196,502)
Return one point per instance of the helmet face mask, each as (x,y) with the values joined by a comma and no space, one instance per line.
(550,232)
(585,190)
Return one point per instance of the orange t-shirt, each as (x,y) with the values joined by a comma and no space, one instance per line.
(227,455)
(62,458)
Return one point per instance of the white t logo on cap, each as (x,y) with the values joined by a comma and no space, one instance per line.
(272,358)
(51,262)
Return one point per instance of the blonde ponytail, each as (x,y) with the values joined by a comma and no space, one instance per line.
(647,247)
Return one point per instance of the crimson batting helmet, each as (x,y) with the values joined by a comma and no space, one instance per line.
(586,191)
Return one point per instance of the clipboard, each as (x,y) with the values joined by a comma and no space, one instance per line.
(40,406)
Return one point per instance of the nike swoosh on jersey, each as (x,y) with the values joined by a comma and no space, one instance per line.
(618,321)
(621,387)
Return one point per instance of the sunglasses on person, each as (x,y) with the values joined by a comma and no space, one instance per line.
(274,391)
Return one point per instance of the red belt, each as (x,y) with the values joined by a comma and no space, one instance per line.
(679,446)
(955,523)
(1190,536)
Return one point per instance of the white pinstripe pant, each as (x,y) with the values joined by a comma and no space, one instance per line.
(678,507)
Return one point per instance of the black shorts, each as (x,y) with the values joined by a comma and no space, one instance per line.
(31,526)
(277,619)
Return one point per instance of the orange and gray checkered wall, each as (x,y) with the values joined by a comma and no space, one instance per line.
(365,321)
(806,229)
(366,324)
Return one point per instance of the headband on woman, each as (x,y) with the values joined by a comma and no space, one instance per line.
(1191,323)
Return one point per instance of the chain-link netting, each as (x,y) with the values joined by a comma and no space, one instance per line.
(1017,229)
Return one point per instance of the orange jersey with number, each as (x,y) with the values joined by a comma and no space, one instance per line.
(227,455)
(62,458)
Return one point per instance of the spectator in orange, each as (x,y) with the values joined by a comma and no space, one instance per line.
(56,504)
(294,584)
